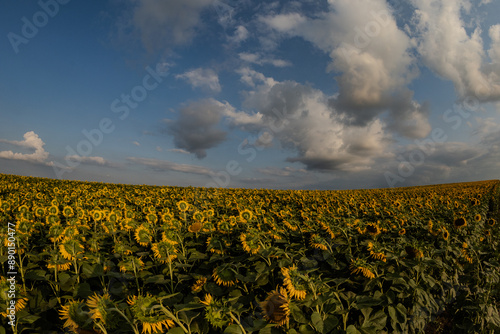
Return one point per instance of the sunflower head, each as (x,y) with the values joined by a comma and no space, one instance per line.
(275,308)
(461,222)
(413,252)
(195,227)
(143,235)
(225,275)
(74,314)
(183,206)
(246,215)
(295,282)
(147,310)
(100,310)
(360,267)
(198,285)
(318,242)
(164,251)
(373,229)
(216,312)
(491,222)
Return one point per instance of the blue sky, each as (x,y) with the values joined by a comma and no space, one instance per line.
(337,94)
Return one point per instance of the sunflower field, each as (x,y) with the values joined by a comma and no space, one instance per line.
(88,257)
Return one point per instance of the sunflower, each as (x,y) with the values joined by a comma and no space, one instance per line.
(402,231)
(99,310)
(460,222)
(147,309)
(491,222)
(250,242)
(318,242)
(70,249)
(446,234)
(183,206)
(97,215)
(376,255)
(216,312)
(130,264)
(143,236)
(225,275)
(198,216)
(477,218)
(164,251)
(215,245)
(52,219)
(276,308)
(195,227)
(74,314)
(465,253)
(373,229)
(413,252)
(68,212)
(198,285)
(360,267)
(246,215)
(294,282)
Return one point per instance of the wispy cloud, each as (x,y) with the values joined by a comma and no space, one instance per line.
(164,166)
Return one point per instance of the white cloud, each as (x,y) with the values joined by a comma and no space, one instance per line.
(31,141)
(163,166)
(206,79)
(256,58)
(136,143)
(370,55)
(446,47)
(284,22)
(89,160)
(240,34)
(301,120)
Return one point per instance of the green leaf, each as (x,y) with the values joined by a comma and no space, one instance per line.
(317,322)
(351,329)
(176,330)
(28,319)
(367,301)
(233,329)
(330,323)
(36,275)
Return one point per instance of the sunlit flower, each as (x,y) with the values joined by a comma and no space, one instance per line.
(294,284)
(460,222)
(360,267)
(225,275)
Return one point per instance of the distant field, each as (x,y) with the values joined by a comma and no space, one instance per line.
(87,257)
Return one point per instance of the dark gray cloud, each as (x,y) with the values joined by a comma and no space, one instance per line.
(195,130)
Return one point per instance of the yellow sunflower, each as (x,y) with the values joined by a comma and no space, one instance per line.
(225,275)
(359,266)
(143,236)
(294,283)
(477,218)
(164,251)
(275,308)
(99,310)
(198,285)
(250,243)
(318,242)
(183,206)
(74,315)
(147,310)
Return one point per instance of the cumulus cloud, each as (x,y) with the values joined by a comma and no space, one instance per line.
(450,51)
(206,79)
(370,56)
(31,141)
(164,166)
(196,130)
(300,119)
(166,23)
